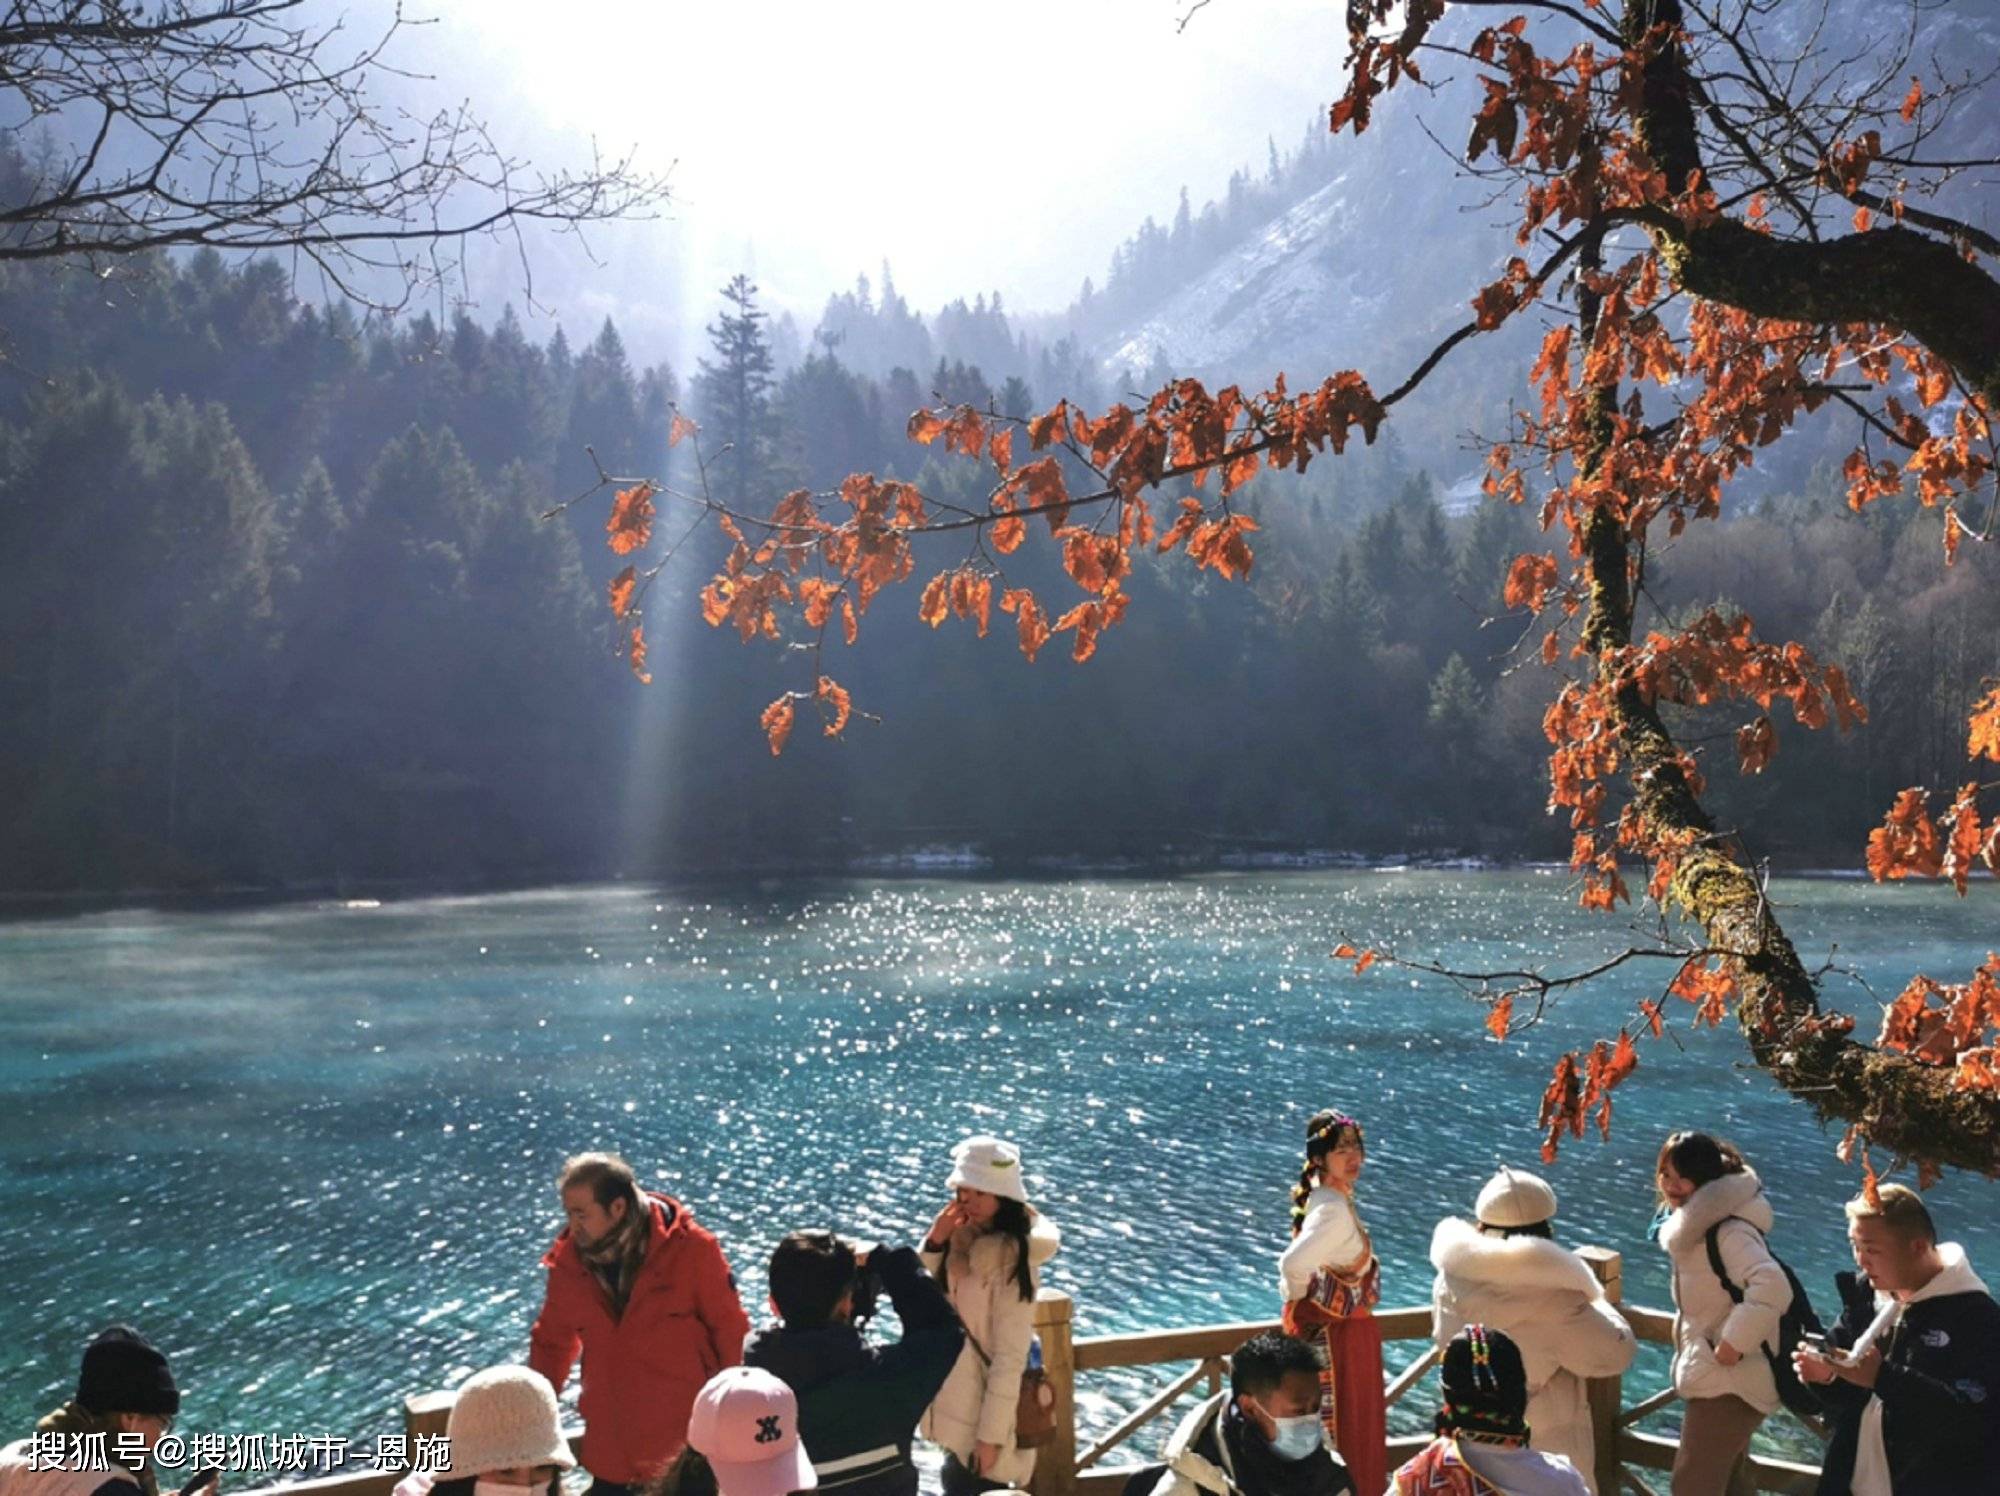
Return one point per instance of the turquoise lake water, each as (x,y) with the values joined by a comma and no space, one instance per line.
(310,1149)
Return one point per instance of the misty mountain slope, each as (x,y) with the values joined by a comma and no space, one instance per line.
(1371,270)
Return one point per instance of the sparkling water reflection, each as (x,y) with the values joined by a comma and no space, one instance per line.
(309,1149)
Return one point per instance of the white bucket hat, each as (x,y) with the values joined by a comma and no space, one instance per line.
(1513,1198)
(989,1164)
(505,1418)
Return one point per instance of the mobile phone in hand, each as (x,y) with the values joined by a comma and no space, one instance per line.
(199,1479)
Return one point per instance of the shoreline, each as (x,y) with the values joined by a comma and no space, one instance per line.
(948,862)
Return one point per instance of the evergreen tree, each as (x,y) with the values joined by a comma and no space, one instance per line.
(733,398)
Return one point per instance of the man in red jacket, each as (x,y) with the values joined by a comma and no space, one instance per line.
(645,1295)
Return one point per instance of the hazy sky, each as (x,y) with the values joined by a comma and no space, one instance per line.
(976,147)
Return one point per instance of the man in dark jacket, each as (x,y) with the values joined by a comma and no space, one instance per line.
(1912,1375)
(858,1403)
(1262,1437)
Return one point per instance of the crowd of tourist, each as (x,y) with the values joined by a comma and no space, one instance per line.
(678,1398)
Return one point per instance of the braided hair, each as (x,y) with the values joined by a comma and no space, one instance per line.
(1485,1388)
(1325,1131)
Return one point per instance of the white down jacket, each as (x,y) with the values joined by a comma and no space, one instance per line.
(1542,1296)
(1704,1314)
(977,1402)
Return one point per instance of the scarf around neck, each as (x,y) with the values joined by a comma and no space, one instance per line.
(615,1258)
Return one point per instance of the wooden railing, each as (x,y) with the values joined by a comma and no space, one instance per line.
(1623,1451)
(1625,1454)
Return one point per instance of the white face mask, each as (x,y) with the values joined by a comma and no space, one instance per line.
(1296,1438)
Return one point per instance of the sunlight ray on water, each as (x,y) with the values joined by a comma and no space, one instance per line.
(310,1149)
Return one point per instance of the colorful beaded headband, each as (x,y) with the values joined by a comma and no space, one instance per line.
(1332,1125)
(1483,1374)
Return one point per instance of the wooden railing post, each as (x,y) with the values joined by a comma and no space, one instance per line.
(426,1413)
(1055,1463)
(1606,1394)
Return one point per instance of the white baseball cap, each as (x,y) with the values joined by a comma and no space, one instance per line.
(989,1164)
(746,1425)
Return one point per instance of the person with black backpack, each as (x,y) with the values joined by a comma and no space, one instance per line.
(1727,1323)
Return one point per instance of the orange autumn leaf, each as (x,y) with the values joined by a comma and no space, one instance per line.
(1009,530)
(631,523)
(931,607)
(622,587)
(1501,1014)
(1052,426)
(835,699)
(1032,623)
(1967,840)
(1906,844)
(777,723)
(1529,580)
(1045,491)
(850,625)
(816,596)
(1562,1107)
(1755,743)
(1180,529)
(925,427)
(1709,988)
(1912,100)
(1983,740)
(1624,1060)
(1221,546)
(680,429)
(635,652)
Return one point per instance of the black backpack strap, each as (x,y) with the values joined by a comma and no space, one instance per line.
(1715,1258)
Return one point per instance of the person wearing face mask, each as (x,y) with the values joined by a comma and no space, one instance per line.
(126,1401)
(1331,1283)
(987,1247)
(1481,1448)
(505,1439)
(1262,1437)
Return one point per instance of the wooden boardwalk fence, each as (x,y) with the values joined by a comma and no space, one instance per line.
(1628,1460)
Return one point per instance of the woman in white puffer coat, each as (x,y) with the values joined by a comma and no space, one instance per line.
(1720,1369)
(986,1248)
(1508,1273)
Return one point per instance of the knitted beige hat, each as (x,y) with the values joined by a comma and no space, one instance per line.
(1514,1198)
(505,1418)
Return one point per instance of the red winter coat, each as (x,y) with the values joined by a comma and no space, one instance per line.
(641,1370)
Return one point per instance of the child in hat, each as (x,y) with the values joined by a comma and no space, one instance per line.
(1481,1448)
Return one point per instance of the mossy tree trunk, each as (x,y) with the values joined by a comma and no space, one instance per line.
(1926,288)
